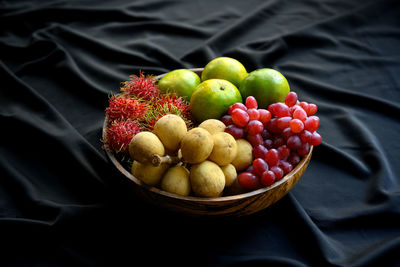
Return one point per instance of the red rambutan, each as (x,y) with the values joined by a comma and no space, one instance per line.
(119,134)
(142,87)
(167,104)
(124,108)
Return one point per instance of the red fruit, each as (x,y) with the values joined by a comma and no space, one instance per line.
(284,152)
(305,136)
(311,124)
(251,169)
(125,108)
(255,140)
(296,126)
(285,166)
(271,108)
(300,114)
(260,151)
(254,114)
(268,178)
(304,105)
(272,157)
(304,149)
(268,143)
(254,127)
(316,139)
(283,122)
(251,102)
(240,117)
(248,180)
(141,87)
(312,109)
(281,110)
(286,133)
(294,159)
(278,172)
(272,126)
(119,134)
(265,115)
(293,142)
(265,134)
(227,120)
(260,166)
(235,106)
(278,141)
(291,99)
(235,131)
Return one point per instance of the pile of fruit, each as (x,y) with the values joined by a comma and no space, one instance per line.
(223,133)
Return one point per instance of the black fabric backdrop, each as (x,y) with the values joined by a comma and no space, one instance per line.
(63,203)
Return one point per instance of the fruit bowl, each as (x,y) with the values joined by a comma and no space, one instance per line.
(233,205)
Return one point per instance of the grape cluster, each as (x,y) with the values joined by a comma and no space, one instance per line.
(280,135)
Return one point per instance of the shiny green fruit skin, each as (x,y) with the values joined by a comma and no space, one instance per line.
(266,85)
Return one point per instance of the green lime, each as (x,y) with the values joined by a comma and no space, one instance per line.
(181,81)
(266,85)
(212,98)
(225,68)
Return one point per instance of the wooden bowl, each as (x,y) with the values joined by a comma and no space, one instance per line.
(235,205)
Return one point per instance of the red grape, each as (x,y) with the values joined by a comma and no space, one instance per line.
(272,126)
(235,106)
(300,114)
(285,166)
(251,102)
(254,114)
(227,120)
(296,125)
(272,157)
(293,142)
(305,136)
(311,124)
(286,133)
(265,134)
(235,131)
(284,152)
(304,105)
(291,99)
(254,127)
(281,110)
(268,178)
(316,139)
(268,143)
(260,151)
(251,169)
(260,166)
(278,141)
(278,172)
(312,109)
(255,140)
(294,158)
(303,149)
(240,117)
(248,180)
(283,122)
(265,115)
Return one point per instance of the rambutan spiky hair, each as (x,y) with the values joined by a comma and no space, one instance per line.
(141,87)
(119,134)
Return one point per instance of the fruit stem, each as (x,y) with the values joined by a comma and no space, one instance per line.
(158,160)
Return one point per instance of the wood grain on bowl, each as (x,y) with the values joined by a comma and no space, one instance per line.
(234,205)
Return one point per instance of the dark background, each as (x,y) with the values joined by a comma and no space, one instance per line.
(63,203)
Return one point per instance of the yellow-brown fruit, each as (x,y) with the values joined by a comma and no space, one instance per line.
(230,174)
(196,145)
(148,173)
(170,129)
(224,150)
(144,145)
(244,156)
(207,179)
(213,126)
(176,181)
